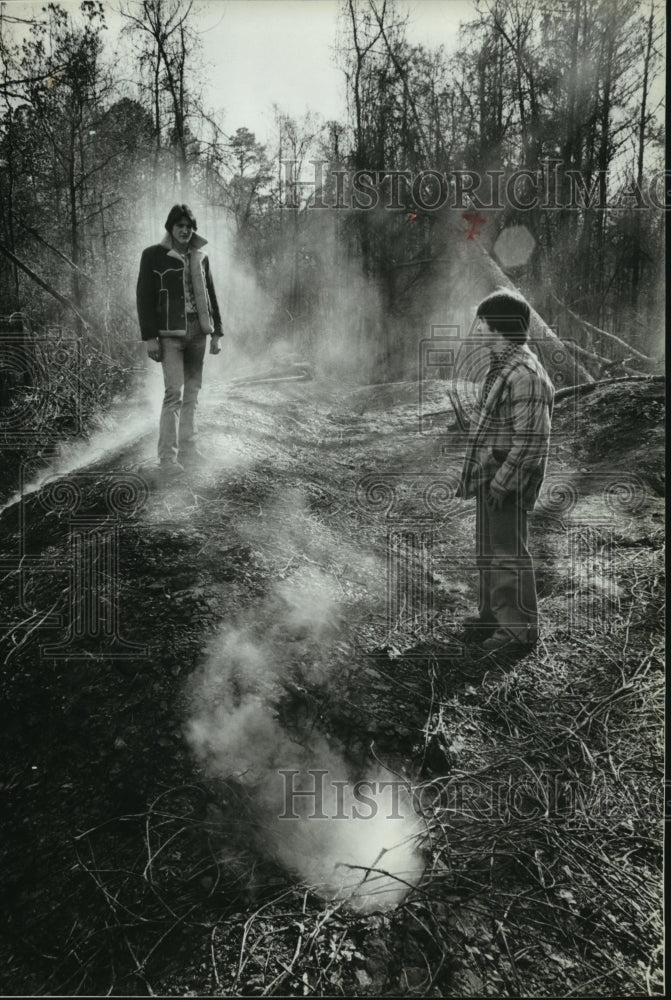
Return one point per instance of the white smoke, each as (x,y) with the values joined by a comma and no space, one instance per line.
(343,839)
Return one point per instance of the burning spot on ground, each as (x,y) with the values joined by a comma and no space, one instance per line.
(345,835)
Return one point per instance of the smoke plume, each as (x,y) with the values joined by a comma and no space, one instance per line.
(337,835)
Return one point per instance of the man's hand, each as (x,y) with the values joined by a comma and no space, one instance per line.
(495,497)
(214,343)
(154,349)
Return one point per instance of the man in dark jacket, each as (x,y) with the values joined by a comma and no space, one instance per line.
(177,308)
(504,468)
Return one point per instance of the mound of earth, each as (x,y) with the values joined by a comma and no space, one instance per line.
(619,426)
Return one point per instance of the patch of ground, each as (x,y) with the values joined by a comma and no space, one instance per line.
(130,869)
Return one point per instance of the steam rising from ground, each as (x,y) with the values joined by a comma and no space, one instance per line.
(121,426)
(343,839)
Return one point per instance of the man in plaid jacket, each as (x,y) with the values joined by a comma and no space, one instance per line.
(504,468)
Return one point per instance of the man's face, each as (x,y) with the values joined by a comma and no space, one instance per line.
(181,232)
(495,342)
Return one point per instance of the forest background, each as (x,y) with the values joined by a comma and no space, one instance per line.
(101,131)
(279,585)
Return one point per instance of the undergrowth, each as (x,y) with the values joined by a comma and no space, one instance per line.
(539,785)
(70,381)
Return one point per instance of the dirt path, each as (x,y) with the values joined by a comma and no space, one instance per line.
(311,577)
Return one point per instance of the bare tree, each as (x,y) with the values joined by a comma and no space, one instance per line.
(166,43)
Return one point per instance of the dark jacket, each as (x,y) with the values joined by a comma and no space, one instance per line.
(510,432)
(161,294)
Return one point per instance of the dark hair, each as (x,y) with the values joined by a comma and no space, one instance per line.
(178,212)
(508,313)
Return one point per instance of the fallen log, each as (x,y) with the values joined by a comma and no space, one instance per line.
(585,387)
(606,364)
(60,254)
(87,277)
(304,376)
(605,333)
(483,264)
(63,299)
(584,353)
(280,378)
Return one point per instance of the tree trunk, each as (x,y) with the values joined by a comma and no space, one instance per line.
(636,263)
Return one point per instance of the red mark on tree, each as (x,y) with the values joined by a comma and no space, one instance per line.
(475,224)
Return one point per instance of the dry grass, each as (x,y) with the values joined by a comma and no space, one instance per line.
(543,830)
(542,818)
(549,818)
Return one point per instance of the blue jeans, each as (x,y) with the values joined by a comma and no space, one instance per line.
(182,363)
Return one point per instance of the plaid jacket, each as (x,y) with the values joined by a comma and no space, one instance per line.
(509,436)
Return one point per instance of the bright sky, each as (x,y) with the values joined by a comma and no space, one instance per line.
(260,52)
(282,51)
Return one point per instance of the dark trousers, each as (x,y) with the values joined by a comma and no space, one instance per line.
(507,583)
